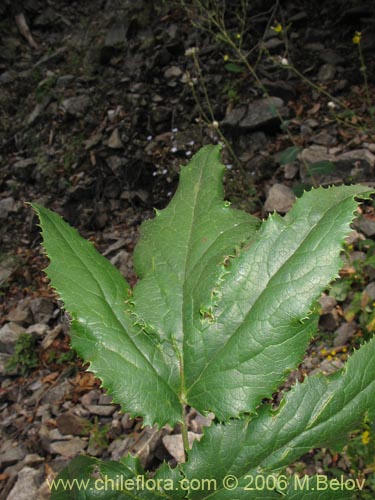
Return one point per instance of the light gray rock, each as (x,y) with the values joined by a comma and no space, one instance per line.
(76,106)
(9,335)
(354,166)
(10,453)
(7,205)
(173,72)
(326,72)
(114,141)
(258,115)
(69,448)
(323,139)
(365,225)
(7,265)
(127,422)
(102,410)
(38,329)
(280,199)
(290,170)
(27,484)
(327,303)
(21,314)
(175,446)
(42,309)
(370,290)
(4,358)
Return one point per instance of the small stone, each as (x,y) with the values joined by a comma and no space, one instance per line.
(7,205)
(39,329)
(90,398)
(58,393)
(68,423)
(353,237)
(326,72)
(114,140)
(272,43)
(127,422)
(4,359)
(8,264)
(76,106)
(344,334)
(68,449)
(280,199)
(327,303)
(11,453)
(290,171)
(173,72)
(175,446)
(323,139)
(42,309)
(26,486)
(365,225)
(329,322)
(105,399)
(102,410)
(370,290)
(21,314)
(9,335)
(234,116)
(261,114)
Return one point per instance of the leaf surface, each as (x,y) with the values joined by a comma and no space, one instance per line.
(262,319)
(317,413)
(103,333)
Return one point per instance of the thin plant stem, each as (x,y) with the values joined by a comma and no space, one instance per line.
(184,432)
(365,80)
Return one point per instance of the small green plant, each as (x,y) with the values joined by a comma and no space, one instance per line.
(25,356)
(224,309)
(361,454)
(98,434)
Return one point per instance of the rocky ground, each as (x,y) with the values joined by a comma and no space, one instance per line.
(96,116)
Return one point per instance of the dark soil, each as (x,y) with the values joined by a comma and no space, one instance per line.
(96,118)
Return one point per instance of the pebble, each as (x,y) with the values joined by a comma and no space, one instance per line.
(9,335)
(69,448)
(280,199)
(174,444)
(26,486)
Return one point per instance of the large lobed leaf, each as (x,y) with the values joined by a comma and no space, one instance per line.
(102,333)
(222,310)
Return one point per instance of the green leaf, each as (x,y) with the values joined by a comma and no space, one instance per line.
(234,68)
(321,168)
(289,155)
(102,332)
(261,317)
(319,412)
